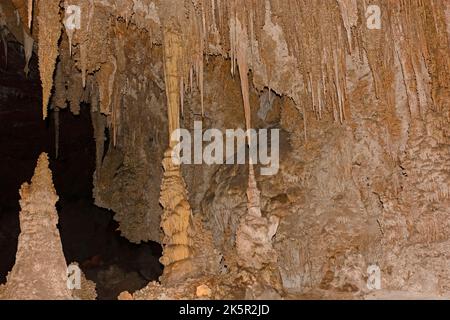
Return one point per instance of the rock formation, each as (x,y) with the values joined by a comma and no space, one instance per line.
(254,234)
(40,271)
(359,92)
(176,224)
(176,221)
(85,289)
(49,33)
(181,259)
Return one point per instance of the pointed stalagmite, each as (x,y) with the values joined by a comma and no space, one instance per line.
(40,270)
(49,33)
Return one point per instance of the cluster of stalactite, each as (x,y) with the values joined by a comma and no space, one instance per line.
(293,47)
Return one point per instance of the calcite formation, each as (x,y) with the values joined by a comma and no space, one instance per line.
(180,258)
(49,33)
(85,289)
(358,90)
(254,234)
(254,241)
(176,223)
(40,270)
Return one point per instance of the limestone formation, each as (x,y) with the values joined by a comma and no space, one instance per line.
(85,289)
(254,234)
(40,270)
(184,256)
(362,103)
(49,33)
(176,224)
(254,241)
(176,221)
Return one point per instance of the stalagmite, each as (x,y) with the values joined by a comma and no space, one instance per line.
(85,289)
(40,270)
(99,125)
(49,33)
(56,119)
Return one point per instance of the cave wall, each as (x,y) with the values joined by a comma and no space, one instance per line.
(364,113)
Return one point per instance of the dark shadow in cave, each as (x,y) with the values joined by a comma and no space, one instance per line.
(88,233)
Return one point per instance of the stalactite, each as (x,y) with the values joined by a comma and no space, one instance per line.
(349,12)
(69,33)
(74,93)
(182,96)
(105,79)
(252,191)
(99,125)
(56,119)
(30,13)
(202,93)
(21,11)
(338,88)
(83,61)
(49,33)
(5,46)
(28,48)
(60,95)
(191,80)
(304,124)
(18,17)
(117,101)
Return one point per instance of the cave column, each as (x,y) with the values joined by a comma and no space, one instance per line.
(255,232)
(176,221)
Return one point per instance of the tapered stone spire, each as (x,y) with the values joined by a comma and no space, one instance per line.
(40,271)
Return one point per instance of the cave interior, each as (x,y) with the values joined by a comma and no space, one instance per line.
(348,196)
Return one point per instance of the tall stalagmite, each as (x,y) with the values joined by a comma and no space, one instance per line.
(40,271)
